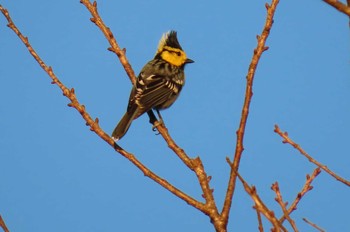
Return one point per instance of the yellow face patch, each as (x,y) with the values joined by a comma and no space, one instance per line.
(174,56)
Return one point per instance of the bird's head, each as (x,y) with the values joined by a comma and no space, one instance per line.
(170,50)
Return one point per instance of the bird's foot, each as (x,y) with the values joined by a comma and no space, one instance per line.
(157,123)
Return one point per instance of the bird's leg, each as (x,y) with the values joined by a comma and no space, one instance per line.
(152,117)
(161,122)
(154,121)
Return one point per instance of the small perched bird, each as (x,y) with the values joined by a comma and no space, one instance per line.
(158,84)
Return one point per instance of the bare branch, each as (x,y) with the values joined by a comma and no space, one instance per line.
(283,205)
(306,188)
(339,6)
(286,139)
(260,206)
(313,225)
(258,214)
(195,165)
(245,110)
(2,222)
(92,7)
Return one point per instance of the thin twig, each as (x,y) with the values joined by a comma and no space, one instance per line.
(260,206)
(306,188)
(258,214)
(196,165)
(339,6)
(92,7)
(286,139)
(94,126)
(2,222)
(314,225)
(245,110)
(283,205)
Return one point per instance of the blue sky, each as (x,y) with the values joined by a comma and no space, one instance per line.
(58,176)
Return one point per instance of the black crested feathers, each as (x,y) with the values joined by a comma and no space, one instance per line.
(172,41)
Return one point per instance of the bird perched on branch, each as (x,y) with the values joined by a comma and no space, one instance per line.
(158,84)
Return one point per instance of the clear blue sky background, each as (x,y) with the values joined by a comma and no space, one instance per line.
(58,176)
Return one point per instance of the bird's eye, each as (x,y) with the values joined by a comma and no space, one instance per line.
(178,53)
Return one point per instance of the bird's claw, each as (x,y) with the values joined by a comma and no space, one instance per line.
(156,124)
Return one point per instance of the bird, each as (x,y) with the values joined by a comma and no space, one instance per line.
(159,83)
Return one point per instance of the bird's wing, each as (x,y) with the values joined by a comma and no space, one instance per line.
(154,91)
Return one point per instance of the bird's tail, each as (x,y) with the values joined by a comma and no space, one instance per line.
(123,125)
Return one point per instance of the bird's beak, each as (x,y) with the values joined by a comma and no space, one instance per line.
(189,61)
